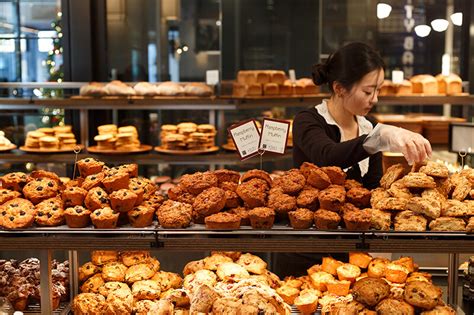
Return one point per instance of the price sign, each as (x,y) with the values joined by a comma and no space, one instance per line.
(397,76)
(246,138)
(274,135)
(212,77)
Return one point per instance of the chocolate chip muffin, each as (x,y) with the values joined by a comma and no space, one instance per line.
(50,212)
(96,198)
(89,166)
(17,213)
(73,196)
(94,180)
(122,200)
(104,218)
(115,180)
(141,216)
(149,188)
(40,189)
(14,181)
(77,217)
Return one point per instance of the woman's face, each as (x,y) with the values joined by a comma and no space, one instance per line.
(364,94)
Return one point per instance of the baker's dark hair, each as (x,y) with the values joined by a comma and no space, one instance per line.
(348,65)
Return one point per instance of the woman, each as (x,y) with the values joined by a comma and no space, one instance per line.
(336,132)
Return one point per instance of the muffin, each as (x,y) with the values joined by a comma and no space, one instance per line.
(174,214)
(351,183)
(180,194)
(77,217)
(224,176)
(73,196)
(131,169)
(96,198)
(208,202)
(370,291)
(301,218)
(198,182)
(249,175)
(308,198)
(357,220)
(141,216)
(115,180)
(359,196)
(326,220)
(89,166)
(50,212)
(336,174)
(348,272)
(261,217)
(94,180)
(281,203)
(122,200)
(223,221)
(318,178)
(291,182)
(253,192)
(104,218)
(377,267)
(332,198)
(243,213)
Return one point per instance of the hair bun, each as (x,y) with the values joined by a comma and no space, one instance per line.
(320,74)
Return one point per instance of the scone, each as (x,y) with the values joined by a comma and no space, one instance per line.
(102,257)
(230,271)
(88,303)
(226,305)
(114,271)
(418,180)
(133,257)
(378,194)
(440,310)
(92,284)
(422,294)
(429,208)
(446,224)
(252,263)
(409,221)
(146,290)
(434,169)
(139,272)
(168,280)
(393,306)
(379,219)
(392,174)
(88,270)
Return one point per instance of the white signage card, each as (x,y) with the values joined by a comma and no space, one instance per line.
(292,75)
(397,76)
(212,77)
(274,135)
(246,138)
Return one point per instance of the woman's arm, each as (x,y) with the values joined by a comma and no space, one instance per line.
(310,136)
(372,178)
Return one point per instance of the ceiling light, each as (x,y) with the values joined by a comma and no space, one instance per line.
(383,10)
(422,30)
(456,18)
(440,25)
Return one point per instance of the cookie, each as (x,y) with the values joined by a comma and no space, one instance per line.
(17,213)
(14,181)
(7,194)
(50,212)
(40,189)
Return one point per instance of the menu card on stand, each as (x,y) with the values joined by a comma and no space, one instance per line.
(246,138)
(274,136)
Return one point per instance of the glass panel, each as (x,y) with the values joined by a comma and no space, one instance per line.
(38,15)
(9,68)
(8,19)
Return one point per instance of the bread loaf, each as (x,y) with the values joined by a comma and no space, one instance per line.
(270,89)
(93,89)
(424,83)
(404,88)
(197,89)
(277,76)
(308,86)
(254,89)
(170,89)
(387,88)
(449,84)
(119,88)
(145,89)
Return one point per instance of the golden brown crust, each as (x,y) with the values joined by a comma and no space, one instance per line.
(357,220)
(210,201)
(434,169)
(409,221)
(308,198)
(253,192)
(227,176)
(332,198)
(392,174)
(301,218)
(326,220)
(318,179)
(198,182)
(399,190)
(256,174)
(370,291)
(359,196)
(430,208)
(281,203)
(262,217)
(446,224)
(223,221)
(174,214)
(336,174)
(393,306)
(422,294)
(418,180)
(17,213)
(379,219)
(291,182)
(122,200)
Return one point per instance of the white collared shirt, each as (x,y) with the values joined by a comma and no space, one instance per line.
(365,127)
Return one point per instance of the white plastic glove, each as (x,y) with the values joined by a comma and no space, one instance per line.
(413,146)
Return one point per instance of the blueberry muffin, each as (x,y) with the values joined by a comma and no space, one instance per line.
(137,190)
(115,180)
(104,218)
(141,216)
(50,212)
(73,196)
(96,198)
(40,189)
(208,202)
(174,214)
(45,174)
(77,217)
(14,181)
(198,182)
(7,194)
(149,188)
(17,213)
(94,180)
(155,201)
(262,218)
(131,169)
(89,166)
(301,218)
(122,200)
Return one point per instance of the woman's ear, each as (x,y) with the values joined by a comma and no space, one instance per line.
(338,89)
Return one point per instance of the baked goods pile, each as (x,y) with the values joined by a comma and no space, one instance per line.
(426,198)
(58,137)
(187,136)
(125,282)
(4,142)
(123,138)
(106,196)
(141,89)
(424,84)
(365,285)
(270,82)
(20,282)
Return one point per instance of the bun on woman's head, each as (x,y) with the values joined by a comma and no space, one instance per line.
(320,74)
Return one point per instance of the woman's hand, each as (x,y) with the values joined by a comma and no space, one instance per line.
(413,146)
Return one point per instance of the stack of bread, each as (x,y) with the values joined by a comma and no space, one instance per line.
(107,197)
(270,82)
(365,285)
(118,88)
(20,282)
(4,142)
(111,137)
(425,198)
(187,136)
(59,137)
(424,84)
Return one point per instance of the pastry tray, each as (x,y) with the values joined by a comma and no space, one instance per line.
(63,309)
